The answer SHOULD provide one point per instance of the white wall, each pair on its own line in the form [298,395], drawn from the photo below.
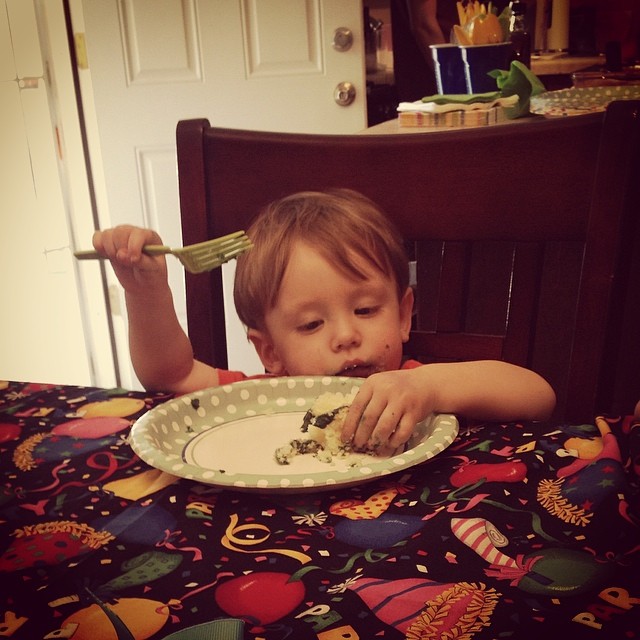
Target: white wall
[43,330]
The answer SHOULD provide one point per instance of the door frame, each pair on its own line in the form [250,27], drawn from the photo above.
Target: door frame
[79,180]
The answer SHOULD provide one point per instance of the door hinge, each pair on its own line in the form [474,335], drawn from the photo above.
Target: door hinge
[28,83]
[81,51]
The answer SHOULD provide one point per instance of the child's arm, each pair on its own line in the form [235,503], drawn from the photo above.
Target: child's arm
[390,404]
[161,352]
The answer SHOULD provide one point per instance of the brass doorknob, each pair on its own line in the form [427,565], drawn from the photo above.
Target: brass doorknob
[344,94]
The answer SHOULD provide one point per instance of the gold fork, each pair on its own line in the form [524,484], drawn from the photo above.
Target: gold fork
[196,258]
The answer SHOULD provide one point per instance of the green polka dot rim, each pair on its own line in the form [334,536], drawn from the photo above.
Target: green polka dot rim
[581,100]
[227,436]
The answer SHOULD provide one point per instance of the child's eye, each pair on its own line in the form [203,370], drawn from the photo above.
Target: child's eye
[366,311]
[308,327]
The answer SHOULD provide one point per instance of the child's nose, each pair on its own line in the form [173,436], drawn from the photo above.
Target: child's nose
[346,334]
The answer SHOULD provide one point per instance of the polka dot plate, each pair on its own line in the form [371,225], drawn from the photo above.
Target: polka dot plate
[227,436]
[580,100]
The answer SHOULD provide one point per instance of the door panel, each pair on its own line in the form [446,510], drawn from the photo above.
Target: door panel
[160,43]
[269,52]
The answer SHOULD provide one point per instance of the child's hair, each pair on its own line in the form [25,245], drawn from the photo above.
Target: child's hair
[341,224]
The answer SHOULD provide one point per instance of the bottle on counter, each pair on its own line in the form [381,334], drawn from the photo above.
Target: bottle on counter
[519,33]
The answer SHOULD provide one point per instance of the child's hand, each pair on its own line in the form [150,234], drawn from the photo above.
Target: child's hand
[136,271]
[386,410]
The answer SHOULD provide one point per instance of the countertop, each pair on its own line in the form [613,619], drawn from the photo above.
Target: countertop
[549,64]
[393,126]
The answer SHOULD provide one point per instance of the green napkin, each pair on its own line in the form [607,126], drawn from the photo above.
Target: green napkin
[463,98]
[519,80]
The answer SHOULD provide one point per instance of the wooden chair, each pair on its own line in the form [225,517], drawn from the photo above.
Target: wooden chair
[517,231]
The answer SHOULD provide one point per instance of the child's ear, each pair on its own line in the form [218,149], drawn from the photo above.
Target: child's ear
[266,351]
[406,313]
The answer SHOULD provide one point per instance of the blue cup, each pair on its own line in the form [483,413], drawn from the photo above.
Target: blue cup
[479,59]
[449,68]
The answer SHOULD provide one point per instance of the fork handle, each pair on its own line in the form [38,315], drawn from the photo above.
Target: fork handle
[88,254]
[149,249]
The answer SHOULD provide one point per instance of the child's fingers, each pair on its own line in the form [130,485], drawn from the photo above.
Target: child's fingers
[100,242]
[353,426]
[124,243]
[385,426]
[403,431]
[382,413]
[137,238]
[375,424]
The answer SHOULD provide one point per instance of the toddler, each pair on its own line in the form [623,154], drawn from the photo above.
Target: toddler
[324,291]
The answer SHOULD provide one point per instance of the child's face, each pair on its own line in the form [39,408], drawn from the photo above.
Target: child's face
[325,323]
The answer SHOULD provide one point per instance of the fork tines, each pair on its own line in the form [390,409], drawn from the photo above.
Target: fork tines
[210,254]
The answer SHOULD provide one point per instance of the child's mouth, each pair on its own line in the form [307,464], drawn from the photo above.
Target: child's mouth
[357,371]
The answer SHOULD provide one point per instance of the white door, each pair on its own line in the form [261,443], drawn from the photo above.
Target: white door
[253,64]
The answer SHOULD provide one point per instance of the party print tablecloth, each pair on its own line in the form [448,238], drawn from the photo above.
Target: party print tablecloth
[514,531]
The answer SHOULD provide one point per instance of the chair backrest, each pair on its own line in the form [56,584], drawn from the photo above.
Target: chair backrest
[515,230]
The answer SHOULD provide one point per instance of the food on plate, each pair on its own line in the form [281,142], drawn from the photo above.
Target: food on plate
[323,424]
[300,446]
